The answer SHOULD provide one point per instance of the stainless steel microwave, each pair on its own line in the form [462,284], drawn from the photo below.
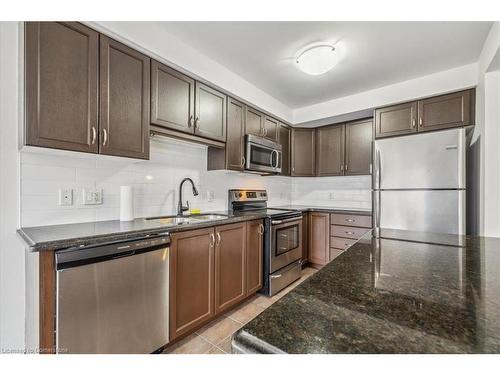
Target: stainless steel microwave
[262,155]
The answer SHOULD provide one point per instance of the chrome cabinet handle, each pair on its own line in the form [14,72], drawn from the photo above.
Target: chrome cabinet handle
[350,220]
[346,167]
[420,121]
[276,276]
[413,123]
[265,132]
[218,239]
[94,135]
[105,134]
[212,240]
[349,232]
[261,229]
[341,168]
[196,123]
[190,122]
[242,161]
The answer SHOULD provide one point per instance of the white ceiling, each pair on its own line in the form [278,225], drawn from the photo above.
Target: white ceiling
[376,54]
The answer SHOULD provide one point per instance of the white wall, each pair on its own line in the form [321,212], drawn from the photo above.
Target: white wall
[437,83]
[12,254]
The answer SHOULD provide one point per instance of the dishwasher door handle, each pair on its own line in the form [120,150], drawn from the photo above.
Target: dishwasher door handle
[123,255]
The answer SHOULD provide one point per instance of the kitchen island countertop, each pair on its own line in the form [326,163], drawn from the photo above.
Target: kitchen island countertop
[391,292]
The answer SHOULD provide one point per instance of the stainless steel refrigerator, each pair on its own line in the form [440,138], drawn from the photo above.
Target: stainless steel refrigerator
[419,182]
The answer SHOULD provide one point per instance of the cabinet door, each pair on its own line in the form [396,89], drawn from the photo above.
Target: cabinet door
[305,237]
[254,256]
[210,113]
[230,264]
[396,120]
[271,127]
[330,150]
[61,67]
[254,122]
[191,280]
[124,100]
[284,140]
[235,146]
[446,111]
[319,237]
[358,147]
[303,152]
[172,98]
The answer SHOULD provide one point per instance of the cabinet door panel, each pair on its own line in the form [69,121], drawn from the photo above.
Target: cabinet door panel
[254,255]
[210,110]
[305,237]
[445,111]
[396,120]
[271,126]
[61,69]
[330,150]
[358,147]
[303,152]
[254,122]
[235,135]
[172,98]
[230,262]
[319,237]
[124,100]
[191,280]
[284,140]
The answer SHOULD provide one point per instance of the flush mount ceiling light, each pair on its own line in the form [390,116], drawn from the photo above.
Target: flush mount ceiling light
[317,59]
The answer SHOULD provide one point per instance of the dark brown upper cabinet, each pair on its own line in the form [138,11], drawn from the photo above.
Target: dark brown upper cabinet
[61,67]
[284,139]
[396,120]
[235,141]
[436,113]
[303,152]
[230,265]
[172,98]
[254,122]
[330,150]
[271,128]
[210,113]
[124,100]
[446,111]
[358,147]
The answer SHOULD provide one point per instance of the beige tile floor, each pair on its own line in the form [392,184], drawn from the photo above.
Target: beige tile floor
[215,337]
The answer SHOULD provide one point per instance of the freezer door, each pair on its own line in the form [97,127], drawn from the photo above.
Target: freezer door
[424,161]
[438,211]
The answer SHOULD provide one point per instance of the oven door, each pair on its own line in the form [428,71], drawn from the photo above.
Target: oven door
[262,158]
[286,242]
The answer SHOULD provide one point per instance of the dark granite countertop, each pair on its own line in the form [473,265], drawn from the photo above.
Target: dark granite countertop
[348,211]
[391,292]
[56,237]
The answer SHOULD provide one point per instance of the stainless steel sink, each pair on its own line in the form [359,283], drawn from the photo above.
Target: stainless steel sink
[180,220]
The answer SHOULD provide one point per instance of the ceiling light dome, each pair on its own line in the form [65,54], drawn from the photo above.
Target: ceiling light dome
[317,59]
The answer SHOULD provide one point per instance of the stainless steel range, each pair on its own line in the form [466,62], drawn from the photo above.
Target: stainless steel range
[282,238]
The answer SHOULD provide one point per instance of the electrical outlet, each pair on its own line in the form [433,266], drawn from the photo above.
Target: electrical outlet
[210,196]
[65,197]
[331,196]
[92,196]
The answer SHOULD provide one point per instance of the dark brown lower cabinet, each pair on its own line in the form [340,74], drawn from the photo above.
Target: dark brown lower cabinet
[192,262]
[305,238]
[230,261]
[254,255]
[319,238]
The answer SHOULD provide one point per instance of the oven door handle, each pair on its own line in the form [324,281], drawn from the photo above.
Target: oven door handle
[276,222]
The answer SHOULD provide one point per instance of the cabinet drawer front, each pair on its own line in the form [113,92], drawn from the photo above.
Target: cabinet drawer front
[341,243]
[347,232]
[354,220]
[334,253]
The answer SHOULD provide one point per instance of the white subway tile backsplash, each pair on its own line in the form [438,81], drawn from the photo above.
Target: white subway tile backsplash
[156,182]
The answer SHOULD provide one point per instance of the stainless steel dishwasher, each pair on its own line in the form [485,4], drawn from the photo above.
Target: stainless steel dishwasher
[113,298]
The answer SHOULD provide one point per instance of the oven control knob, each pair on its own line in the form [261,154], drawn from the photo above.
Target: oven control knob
[240,195]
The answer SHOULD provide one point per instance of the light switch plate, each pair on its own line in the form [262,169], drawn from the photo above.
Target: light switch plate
[331,196]
[91,196]
[65,197]
[210,196]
